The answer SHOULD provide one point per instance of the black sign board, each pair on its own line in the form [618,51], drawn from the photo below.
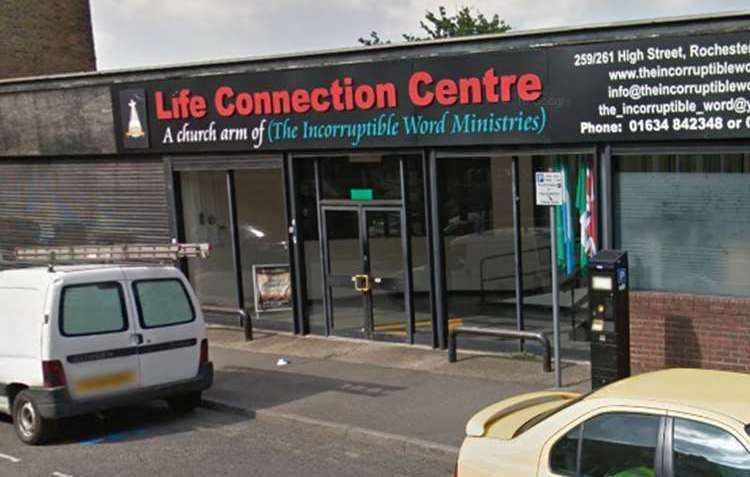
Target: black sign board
[651,89]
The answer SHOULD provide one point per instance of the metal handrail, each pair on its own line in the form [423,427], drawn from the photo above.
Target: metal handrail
[522,335]
[245,322]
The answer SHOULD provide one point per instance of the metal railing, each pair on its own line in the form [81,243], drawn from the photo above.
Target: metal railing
[245,321]
[501,333]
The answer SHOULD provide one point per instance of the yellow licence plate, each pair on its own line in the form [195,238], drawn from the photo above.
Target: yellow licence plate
[105,382]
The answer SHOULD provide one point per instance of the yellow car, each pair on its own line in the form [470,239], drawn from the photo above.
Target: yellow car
[671,423]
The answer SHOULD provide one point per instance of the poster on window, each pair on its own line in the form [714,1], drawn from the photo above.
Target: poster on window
[273,287]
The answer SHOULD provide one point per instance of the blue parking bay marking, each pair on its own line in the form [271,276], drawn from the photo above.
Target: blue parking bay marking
[116,437]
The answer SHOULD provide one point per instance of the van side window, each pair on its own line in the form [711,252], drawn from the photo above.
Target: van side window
[163,303]
[92,309]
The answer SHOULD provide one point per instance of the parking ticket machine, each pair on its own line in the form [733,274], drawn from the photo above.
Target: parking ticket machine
[610,320]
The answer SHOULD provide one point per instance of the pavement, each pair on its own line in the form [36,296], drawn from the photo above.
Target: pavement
[408,396]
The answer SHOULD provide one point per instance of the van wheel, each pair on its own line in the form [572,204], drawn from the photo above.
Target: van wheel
[29,424]
[184,403]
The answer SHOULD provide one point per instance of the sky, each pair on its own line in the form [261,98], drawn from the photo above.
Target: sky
[134,33]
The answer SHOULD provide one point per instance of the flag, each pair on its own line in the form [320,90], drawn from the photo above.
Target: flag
[564,230]
[570,234]
[586,205]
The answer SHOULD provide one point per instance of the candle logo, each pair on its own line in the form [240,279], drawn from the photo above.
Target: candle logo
[133,119]
[135,130]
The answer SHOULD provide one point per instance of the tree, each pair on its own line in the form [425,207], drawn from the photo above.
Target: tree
[441,25]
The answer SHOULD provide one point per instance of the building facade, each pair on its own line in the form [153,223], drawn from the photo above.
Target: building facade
[388,192]
[45,37]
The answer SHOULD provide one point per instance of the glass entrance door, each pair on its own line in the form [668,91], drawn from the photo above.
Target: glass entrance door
[366,287]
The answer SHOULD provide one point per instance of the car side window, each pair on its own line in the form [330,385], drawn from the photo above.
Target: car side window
[563,458]
[702,450]
[620,445]
[611,445]
[92,309]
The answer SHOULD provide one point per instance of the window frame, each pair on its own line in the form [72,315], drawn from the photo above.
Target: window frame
[659,451]
[668,451]
[139,308]
[123,307]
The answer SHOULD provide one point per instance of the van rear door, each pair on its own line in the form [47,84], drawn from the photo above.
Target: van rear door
[170,324]
[93,336]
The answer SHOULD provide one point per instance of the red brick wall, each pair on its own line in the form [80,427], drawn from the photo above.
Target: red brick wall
[41,37]
[670,330]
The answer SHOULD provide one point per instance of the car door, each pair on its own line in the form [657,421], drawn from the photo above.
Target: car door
[170,326]
[611,443]
[92,335]
[697,446]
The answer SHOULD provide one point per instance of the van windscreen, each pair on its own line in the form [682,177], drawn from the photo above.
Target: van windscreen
[162,303]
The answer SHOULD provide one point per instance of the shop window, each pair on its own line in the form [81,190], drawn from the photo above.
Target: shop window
[263,240]
[684,220]
[304,170]
[205,207]
[476,207]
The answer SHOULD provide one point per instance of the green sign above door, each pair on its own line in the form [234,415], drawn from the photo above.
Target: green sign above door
[361,194]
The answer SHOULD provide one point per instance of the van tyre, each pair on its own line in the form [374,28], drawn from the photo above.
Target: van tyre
[28,422]
[184,403]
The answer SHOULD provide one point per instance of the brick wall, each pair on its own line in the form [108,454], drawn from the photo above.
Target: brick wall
[41,37]
[670,330]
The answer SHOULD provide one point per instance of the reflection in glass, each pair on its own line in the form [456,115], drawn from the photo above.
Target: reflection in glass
[419,250]
[387,272]
[345,256]
[563,457]
[206,219]
[381,174]
[261,222]
[701,450]
[304,170]
[476,207]
[619,444]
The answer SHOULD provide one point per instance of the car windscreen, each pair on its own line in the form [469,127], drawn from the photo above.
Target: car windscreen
[92,309]
[162,302]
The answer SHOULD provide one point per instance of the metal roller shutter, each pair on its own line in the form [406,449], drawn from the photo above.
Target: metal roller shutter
[82,201]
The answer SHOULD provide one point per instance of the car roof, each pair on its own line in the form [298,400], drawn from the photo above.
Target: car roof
[724,392]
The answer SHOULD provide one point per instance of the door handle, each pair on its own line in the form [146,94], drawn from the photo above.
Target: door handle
[137,338]
[361,283]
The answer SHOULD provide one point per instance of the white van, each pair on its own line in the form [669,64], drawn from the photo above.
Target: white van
[85,338]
